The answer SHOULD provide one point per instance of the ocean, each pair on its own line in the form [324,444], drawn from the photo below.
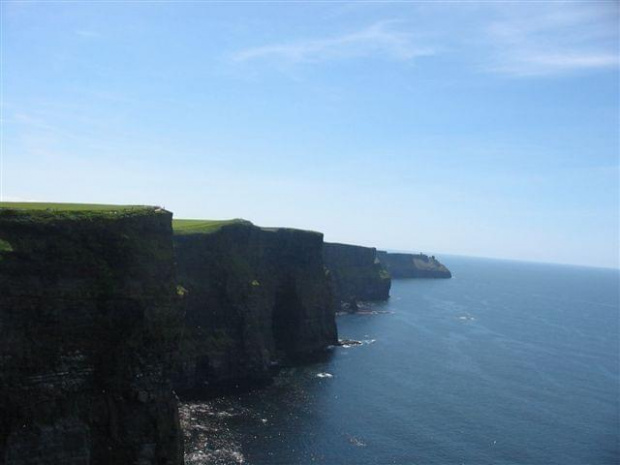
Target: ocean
[505,363]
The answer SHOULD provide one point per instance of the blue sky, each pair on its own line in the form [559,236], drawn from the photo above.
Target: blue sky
[486,129]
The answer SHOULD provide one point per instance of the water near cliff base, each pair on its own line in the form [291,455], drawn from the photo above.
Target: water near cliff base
[506,363]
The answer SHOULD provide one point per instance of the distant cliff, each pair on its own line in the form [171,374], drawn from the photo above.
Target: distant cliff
[356,275]
[89,323]
[254,297]
[405,265]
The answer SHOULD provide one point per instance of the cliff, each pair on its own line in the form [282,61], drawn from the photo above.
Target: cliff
[254,297]
[405,265]
[89,318]
[356,275]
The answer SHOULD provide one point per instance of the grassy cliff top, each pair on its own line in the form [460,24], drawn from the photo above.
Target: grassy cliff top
[202,226]
[81,210]
[183,227]
[70,206]
[292,230]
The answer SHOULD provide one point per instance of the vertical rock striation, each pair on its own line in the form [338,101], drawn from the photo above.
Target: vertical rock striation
[356,275]
[406,265]
[89,320]
[254,297]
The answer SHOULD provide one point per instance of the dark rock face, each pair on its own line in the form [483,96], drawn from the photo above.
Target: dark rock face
[255,297]
[356,275]
[89,318]
[405,265]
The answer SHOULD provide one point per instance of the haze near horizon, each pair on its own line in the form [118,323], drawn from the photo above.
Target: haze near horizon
[482,129]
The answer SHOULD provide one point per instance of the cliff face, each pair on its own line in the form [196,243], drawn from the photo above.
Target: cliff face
[356,275]
[254,297]
[405,265]
[89,318]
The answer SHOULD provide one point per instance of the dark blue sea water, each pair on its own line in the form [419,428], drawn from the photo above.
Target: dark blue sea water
[506,363]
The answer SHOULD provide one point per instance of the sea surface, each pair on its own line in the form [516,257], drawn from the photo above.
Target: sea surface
[505,363]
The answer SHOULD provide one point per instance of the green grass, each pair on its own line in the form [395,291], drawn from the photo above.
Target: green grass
[46,212]
[69,207]
[290,230]
[202,226]
[5,246]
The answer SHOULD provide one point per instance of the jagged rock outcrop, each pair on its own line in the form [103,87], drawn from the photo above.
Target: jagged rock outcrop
[356,275]
[89,320]
[406,265]
[254,297]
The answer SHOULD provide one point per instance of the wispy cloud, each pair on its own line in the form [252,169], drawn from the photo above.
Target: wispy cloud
[523,40]
[558,62]
[381,39]
[554,39]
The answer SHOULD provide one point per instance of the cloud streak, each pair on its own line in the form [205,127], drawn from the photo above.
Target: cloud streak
[539,40]
[380,40]
[543,64]
[555,40]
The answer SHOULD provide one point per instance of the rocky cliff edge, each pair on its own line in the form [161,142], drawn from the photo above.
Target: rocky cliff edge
[89,321]
[254,298]
[405,265]
[356,275]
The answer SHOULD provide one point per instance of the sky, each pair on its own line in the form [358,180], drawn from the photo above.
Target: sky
[473,128]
